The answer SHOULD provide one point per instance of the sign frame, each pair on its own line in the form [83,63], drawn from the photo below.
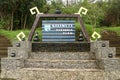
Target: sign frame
[39,16]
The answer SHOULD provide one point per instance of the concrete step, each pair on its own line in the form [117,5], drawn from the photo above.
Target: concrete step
[5,42]
[61,55]
[61,64]
[60,47]
[2,56]
[116,41]
[60,74]
[3,48]
[118,51]
[111,38]
[5,45]
[3,38]
[115,44]
[117,55]
[3,52]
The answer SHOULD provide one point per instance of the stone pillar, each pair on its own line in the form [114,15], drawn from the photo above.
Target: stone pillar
[20,49]
[11,66]
[105,52]
[101,50]
[23,44]
[98,44]
[105,56]
[112,64]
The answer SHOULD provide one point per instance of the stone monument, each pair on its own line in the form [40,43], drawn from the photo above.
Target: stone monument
[29,60]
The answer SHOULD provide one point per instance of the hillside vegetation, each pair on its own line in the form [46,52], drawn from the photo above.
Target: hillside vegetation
[16,17]
[12,34]
[15,14]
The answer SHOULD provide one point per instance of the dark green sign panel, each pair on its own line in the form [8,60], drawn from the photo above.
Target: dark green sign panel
[58,31]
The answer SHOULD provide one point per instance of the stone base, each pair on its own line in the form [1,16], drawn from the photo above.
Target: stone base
[62,74]
[11,63]
[60,47]
[109,64]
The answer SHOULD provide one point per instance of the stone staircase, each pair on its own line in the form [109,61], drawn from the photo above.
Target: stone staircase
[4,44]
[65,58]
[61,60]
[57,61]
[61,65]
[114,40]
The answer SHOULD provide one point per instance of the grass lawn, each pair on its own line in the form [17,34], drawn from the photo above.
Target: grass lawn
[90,29]
[12,34]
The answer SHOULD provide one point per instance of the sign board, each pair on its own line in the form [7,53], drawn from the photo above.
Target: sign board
[58,30]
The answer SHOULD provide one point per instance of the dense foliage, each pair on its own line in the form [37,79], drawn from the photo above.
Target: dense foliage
[15,14]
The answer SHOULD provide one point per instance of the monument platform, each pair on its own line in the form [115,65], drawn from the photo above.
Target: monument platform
[60,47]
[61,61]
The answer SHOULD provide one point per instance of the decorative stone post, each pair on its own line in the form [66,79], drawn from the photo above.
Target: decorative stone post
[11,65]
[98,44]
[105,55]
[101,50]
[20,49]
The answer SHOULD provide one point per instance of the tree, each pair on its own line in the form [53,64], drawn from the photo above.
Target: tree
[4,14]
[16,12]
[95,13]
[113,13]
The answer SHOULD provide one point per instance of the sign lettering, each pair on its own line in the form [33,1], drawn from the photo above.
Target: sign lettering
[58,30]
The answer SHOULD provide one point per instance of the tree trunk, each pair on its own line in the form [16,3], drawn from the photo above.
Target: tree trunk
[25,20]
[118,20]
[67,3]
[21,20]
[12,20]
[95,22]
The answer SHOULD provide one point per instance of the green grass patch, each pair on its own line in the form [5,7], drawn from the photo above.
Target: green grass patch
[91,29]
[12,34]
